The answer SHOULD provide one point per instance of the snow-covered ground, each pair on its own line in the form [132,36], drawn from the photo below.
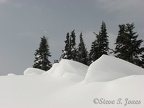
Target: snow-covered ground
[108,82]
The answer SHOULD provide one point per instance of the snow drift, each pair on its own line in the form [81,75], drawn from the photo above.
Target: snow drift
[107,83]
[68,69]
[33,71]
[108,68]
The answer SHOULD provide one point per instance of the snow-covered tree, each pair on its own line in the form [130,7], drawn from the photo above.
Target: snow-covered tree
[142,60]
[41,55]
[67,51]
[70,51]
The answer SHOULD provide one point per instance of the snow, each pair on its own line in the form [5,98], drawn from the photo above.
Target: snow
[68,68]
[33,71]
[82,96]
[10,74]
[108,68]
[107,83]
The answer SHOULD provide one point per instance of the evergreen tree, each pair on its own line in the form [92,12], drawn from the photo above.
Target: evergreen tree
[56,61]
[142,56]
[41,55]
[70,51]
[101,45]
[127,46]
[82,52]
[93,52]
[102,40]
[67,51]
[73,46]
[142,61]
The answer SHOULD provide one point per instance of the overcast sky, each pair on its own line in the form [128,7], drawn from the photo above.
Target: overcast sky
[23,22]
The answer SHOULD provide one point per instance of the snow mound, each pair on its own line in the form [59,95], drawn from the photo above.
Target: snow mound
[63,86]
[33,71]
[108,68]
[68,68]
[51,69]
[10,74]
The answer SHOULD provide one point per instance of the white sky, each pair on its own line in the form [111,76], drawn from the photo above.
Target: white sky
[23,22]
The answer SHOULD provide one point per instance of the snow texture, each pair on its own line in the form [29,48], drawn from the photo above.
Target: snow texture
[68,69]
[33,71]
[107,83]
[108,68]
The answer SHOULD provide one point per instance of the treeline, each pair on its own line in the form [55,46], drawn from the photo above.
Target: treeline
[127,47]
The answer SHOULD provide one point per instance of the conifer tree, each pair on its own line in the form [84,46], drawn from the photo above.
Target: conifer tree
[73,46]
[127,46]
[101,45]
[93,52]
[67,51]
[142,57]
[70,51]
[41,55]
[142,61]
[103,40]
[82,52]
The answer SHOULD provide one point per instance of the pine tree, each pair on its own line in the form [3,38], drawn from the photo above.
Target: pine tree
[142,60]
[70,51]
[82,52]
[142,57]
[56,61]
[73,46]
[101,45]
[67,51]
[102,40]
[127,46]
[41,55]
[93,52]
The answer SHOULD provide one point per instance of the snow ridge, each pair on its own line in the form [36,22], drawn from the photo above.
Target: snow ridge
[108,68]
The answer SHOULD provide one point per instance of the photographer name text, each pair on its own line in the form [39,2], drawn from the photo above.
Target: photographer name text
[118,101]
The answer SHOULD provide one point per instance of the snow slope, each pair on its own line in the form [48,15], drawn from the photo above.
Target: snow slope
[108,68]
[68,69]
[32,71]
[107,83]
[68,66]
[83,96]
